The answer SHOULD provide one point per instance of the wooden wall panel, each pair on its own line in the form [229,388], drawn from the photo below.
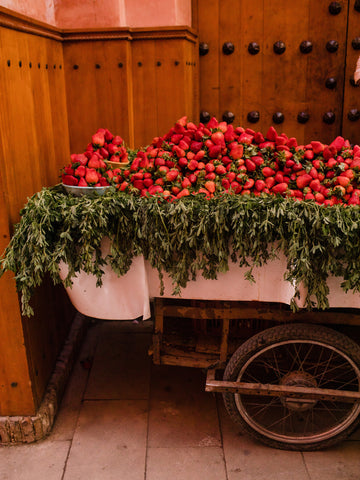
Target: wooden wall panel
[98,90]
[144,92]
[34,146]
[267,82]
[351,128]
[208,28]
[163,86]
[325,27]
[33,108]
[15,387]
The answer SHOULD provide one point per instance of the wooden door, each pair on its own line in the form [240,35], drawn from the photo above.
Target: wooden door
[280,63]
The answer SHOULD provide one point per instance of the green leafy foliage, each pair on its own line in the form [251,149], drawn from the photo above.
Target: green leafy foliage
[189,236]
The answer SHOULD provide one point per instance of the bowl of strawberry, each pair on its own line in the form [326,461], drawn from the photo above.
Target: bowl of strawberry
[94,170]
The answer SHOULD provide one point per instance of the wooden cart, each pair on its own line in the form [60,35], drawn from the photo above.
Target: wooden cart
[295,385]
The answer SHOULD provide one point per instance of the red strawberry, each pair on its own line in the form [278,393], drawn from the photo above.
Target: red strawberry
[236,187]
[292,142]
[214,151]
[303,180]
[246,138]
[344,181]
[220,170]
[259,137]
[82,182]
[309,196]
[268,172]
[153,189]
[117,140]
[280,188]
[199,155]
[338,143]
[182,162]
[91,176]
[108,135]
[98,139]
[271,134]
[260,185]
[171,175]
[331,163]
[236,152]
[217,138]
[319,197]
[192,178]
[103,152]
[249,183]
[80,171]
[183,193]
[329,152]
[213,123]
[270,182]
[317,147]
[315,185]
[103,182]
[81,158]
[309,154]
[69,171]
[69,180]
[210,186]
[250,165]
[279,177]
[225,183]
[192,165]
[257,160]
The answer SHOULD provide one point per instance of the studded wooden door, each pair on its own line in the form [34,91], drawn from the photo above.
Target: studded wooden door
[284,63]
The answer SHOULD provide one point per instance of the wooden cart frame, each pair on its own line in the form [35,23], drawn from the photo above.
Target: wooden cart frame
[216,353]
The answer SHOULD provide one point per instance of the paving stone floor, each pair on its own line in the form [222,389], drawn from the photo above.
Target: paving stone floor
[123,418]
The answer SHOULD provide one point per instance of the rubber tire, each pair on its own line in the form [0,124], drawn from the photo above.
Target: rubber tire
[278,334]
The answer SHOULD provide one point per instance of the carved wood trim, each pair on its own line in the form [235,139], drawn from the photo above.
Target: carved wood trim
[22,23]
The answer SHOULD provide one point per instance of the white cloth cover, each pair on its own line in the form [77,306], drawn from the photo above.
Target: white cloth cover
[128,297]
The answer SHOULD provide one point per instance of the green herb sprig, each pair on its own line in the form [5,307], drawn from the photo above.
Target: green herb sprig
[191,236]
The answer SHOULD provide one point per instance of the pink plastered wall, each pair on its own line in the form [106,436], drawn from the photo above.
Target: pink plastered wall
[157,13]
[105,13]
[41,10]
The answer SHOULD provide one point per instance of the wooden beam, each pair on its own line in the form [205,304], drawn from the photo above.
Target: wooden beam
[295,393]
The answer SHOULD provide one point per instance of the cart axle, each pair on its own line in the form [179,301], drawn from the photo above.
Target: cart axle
[294,392]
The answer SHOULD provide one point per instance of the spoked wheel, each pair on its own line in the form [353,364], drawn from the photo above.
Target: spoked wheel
[303,356]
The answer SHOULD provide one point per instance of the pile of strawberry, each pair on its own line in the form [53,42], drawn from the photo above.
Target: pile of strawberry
[90,168]
[217,158]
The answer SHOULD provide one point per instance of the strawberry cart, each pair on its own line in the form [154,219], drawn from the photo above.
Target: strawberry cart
[287,379]
[245,246]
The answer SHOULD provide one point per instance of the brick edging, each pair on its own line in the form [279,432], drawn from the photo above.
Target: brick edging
[27,429]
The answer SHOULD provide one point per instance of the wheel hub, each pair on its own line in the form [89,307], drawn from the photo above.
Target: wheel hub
[298,379]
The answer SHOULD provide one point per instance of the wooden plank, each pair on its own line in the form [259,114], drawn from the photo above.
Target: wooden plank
[158,330]
[292,392]
[183,359]
[242,310]
[208,15]
[230,66]
[15,387]
[351,129]
[251,73]
[284,88]
[170,66]
[98,90]
[144,92]
[224,339]
[322,65]
[31,113]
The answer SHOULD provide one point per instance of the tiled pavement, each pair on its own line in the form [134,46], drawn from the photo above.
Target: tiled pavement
[123,418]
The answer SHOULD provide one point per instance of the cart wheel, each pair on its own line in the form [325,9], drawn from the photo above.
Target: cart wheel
[296,355]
